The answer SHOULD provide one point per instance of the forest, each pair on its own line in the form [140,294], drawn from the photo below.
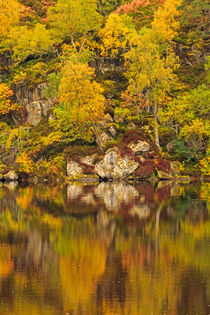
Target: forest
[82,76]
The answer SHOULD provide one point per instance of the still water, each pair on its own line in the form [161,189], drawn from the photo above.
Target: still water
[111,248]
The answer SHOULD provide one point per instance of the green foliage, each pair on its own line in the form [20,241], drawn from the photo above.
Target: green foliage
[181,151]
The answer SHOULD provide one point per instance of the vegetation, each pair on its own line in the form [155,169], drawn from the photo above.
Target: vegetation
[70,62]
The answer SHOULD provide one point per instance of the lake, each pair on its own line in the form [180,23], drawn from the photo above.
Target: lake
[108,248]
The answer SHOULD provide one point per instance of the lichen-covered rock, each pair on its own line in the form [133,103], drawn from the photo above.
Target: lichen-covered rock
[114,166]
[73,169]
[89,159]
[140,146]
[10,176]
[112,131]
[131,125]
[107,120]
[105,138]
[35,103]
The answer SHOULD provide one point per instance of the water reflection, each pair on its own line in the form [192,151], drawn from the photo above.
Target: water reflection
[110,248]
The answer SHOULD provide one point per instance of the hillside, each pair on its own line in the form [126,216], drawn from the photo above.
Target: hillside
[86,76]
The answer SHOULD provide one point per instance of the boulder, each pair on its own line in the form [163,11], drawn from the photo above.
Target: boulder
[107,120]
[105,138]
[113,166]
[131,125]
[89,159]
[10,176]
[112,131]
[139,147]
[35,103]
[73,169]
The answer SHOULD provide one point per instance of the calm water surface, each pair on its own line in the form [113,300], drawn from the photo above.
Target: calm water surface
[110,248]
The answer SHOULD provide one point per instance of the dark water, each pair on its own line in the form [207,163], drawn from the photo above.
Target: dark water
[105,249]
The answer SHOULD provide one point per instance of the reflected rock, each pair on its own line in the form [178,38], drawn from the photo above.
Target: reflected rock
[10,176]
[103,219]
[114,194]
[73,191]
[11,185]
[88,199]
[141,211]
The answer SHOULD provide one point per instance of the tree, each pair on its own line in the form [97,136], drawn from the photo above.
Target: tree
[9,16]
[152,63]
[6,105]
[27,41]
[118,35]
[81,101]
[142,11]
[71,19]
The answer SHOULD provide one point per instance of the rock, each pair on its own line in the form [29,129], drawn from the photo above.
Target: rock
[105,138]
[73,169]
[35,103]
[175,168]
[112,131]
[114,166]
[140,146]
[107,119]
[10,176]
[89,159]
[131,125]
[164,175]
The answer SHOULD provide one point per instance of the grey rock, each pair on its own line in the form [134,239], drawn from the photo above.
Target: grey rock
[89,159]
[10,176]
[131,125]
[114,166]
[35,103]
[73,169]
[112,131]
[105,138]
[140,146]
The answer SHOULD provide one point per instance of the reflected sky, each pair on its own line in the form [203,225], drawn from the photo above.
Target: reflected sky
[110,248]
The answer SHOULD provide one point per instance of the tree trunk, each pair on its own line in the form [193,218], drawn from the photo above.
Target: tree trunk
[157,142]
[97,135]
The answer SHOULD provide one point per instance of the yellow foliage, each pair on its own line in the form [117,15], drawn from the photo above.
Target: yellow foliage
[117,35]
[9,16]
[6,106]
[25,164]
[81,95]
